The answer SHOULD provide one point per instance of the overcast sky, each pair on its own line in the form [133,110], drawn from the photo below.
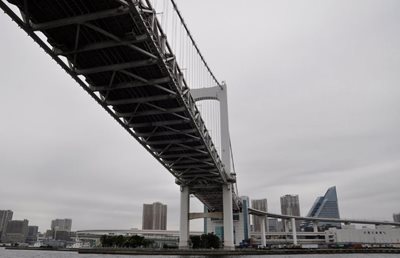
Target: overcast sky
[314,102]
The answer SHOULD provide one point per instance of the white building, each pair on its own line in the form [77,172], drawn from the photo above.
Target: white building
[349,234]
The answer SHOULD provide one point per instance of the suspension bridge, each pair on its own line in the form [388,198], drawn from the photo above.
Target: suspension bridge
[138,60]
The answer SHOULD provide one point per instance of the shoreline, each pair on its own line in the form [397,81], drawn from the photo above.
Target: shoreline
[217,252]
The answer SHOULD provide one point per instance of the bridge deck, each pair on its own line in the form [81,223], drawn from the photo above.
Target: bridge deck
[118,53]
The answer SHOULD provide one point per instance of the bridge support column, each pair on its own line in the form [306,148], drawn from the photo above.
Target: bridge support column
[263,242]
[228,217]
[184,218]
[315,226]
[293,222]
[286,225]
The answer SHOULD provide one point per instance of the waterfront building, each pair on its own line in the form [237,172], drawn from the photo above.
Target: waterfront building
[154,216]
[262,205]
[5,217]
[290,205]
[17,231]
[325,207]
[381,235]
[61,225]
[396,217]
[32,236]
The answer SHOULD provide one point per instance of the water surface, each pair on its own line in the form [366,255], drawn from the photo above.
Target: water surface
[55,254]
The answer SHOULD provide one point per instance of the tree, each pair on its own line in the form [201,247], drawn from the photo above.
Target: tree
[106,241]
[196,242]
[125,241]
[208,241]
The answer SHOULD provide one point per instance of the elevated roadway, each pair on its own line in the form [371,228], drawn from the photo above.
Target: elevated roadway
[315,219]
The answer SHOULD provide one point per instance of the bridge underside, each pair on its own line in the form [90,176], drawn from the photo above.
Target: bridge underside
[117,52]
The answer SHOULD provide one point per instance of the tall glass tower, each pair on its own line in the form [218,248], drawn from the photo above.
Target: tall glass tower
[325,207]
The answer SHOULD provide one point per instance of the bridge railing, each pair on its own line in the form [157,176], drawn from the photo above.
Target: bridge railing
[195,71]
[167,23]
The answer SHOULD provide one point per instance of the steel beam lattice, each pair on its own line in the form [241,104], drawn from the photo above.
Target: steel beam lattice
[118,53]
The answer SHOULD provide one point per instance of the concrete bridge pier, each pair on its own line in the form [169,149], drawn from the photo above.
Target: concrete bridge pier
[263,241]
[228,217]
[219,93]
[293,222]
[184,218]
[315,226]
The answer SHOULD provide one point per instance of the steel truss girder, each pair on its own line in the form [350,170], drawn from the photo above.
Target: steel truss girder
[182,155]
[159,123]
[127,85]
[139,78]
[164,109]
[101,45]
[74,75]
[169,141]
[208,187]
[181,147]
[117,39]
[193,161]
[81,18]
[151,112]
[199,149]
[139,100]
[193,178]
[190,160]
[169,133]
[116,67]
[182,132]
[203,180]
[199,166]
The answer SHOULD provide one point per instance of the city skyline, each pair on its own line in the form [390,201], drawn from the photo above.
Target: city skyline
[289,205]
[321,110]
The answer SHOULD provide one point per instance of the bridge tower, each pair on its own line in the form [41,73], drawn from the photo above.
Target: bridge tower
[218,93]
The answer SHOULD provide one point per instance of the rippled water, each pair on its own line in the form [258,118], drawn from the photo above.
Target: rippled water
[55,254]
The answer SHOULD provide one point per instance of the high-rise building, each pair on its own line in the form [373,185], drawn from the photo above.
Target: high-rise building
[5,217]
[325,207]
[290,205]
[275,225]
[154,216]
[32,234]
[17,231]
[396,217]
[61,225]
[245,217]
[261,205]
